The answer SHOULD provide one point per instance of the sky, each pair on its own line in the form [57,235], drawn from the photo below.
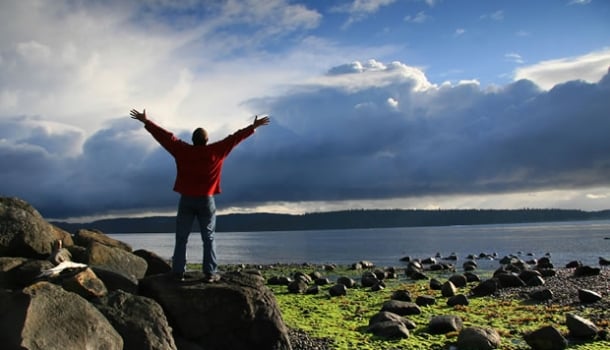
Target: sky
[401,104]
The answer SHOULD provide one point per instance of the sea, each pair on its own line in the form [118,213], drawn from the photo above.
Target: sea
[583,241]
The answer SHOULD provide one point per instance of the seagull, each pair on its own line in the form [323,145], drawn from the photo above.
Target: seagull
[59,269]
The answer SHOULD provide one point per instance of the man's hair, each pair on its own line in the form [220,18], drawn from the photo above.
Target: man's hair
[200,137]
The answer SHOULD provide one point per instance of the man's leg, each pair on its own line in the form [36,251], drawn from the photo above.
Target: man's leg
[184,223]
[207,223]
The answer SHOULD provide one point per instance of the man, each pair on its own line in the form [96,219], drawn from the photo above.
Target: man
[198,172]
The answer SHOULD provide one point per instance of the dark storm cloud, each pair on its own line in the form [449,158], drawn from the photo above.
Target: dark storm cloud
[332,142]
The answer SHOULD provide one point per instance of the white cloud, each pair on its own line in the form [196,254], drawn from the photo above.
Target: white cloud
[420,17]
[590,68]
[514,57]
[579,2]
[459,32]
[358,10]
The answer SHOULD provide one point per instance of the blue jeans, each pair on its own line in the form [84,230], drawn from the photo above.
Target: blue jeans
[204,209]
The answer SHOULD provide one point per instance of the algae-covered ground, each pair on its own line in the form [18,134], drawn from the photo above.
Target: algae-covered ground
[344,320]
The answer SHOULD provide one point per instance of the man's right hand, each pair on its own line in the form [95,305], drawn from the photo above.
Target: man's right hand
[138,116]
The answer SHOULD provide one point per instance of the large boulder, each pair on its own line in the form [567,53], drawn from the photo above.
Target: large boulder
[44,316]
[25,233]
[139,320]
[84,238]
[237,312]
[478,338]
[156,264]
[546,338]
[116,259]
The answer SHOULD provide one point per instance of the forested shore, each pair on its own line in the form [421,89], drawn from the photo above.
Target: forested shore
[348,219]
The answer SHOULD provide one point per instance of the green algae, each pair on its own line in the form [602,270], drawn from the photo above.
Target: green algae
[344,320]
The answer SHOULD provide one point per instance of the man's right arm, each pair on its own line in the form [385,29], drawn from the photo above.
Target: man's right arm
[164,137]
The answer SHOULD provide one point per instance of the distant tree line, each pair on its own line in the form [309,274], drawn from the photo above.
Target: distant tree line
[347,219]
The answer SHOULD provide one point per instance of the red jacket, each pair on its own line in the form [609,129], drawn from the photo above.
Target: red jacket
[198,168]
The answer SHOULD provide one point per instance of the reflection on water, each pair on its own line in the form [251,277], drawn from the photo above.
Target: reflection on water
[565,242]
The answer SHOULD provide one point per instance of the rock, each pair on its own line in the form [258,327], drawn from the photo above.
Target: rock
[425,300]
[29,272]
[238,312]
[546,338]
[7,265]
[487,287]
[586,270]
[315,289]
[401,308]
[588,296]
[44,316]
[459,299]
[346,281]
[448,289]
[580,327]
[444,324]
[402,295]
[535,281]
[435,284]
[140,321]
[115,281]
[297,287]
[322,281]
[86,284]
[85,238]
[478,338]
[458,280]
[509,280]
[155,264]
[528,274]
[25,233]
[338,290]
[389,330]
[368,279]
[603,261]
[471,277]
[469,265]
[117,260]
[573,264]
[542,294]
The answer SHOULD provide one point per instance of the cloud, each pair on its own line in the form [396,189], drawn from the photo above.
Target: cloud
[420,17]
[364,131]
[590,68]
[514,57]
[358,10]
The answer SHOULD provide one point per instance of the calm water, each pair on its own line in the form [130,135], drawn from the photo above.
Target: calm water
[565,241]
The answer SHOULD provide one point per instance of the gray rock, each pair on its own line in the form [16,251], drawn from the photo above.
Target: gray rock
[542,294]
[486,287]
[139,320]
[444,324]
[44,316]
[546,338]
[435,284]
[425,300]
[346,281]
[368,279]
[401,308]
[580,327]
[115,281]
[297,286]
[237,312]
[478,338]
[402,295]
[586,270]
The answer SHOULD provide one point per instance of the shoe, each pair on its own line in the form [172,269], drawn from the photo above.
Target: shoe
[211,277]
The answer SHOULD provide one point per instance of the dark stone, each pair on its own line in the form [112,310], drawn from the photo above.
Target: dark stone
[546,338]
[115,281]
[542,294]
[338,290]
[588,296]
[389,330]
[297,286]
[322,281]
[155,264]
[444,324]
[425,300]
[478,338]
[140,321]
[448,289]
[237,312]
[471,277]
[401,308]
[315,289]
[402,295]
[510,280]
[485,288]
[368,279]
[459,299]
[580,327]
[573,264]
[586,270]
[458,281]
[603,261]
[535,281]
[45,316]
[435,284]
[346,281]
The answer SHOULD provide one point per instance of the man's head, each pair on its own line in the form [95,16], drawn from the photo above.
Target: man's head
[200,137]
